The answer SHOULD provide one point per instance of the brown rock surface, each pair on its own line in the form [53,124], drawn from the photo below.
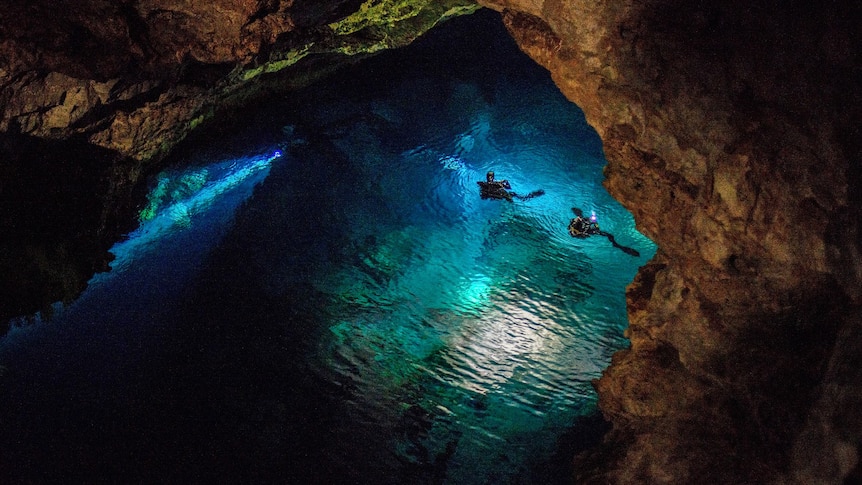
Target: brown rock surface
[137,77]
[731,132]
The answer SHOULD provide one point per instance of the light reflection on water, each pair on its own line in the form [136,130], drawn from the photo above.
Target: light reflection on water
[181,196]
[451,338]
[480,322]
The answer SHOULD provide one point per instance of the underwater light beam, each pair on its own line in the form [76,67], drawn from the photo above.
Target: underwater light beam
[177,213]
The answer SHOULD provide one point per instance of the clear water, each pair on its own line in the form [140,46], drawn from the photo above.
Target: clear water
[350,311]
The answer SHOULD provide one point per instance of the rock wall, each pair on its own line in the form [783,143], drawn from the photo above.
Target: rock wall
[731,132]
[137,76]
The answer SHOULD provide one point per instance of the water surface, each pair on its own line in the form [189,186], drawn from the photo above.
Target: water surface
[338,304]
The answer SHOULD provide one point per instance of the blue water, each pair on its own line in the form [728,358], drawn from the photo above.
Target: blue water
[349,311]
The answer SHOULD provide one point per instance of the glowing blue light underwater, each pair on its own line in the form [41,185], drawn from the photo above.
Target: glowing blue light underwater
[475,293]
[451,162]
[180,197]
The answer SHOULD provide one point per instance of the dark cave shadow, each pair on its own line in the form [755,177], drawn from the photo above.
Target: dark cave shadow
[584,434]
[63,204]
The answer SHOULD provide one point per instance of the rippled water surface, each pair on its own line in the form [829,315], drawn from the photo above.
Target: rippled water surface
[351,309]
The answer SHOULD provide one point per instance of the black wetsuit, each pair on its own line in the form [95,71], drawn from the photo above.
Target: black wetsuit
[580,227]
[495,190]
[500,189]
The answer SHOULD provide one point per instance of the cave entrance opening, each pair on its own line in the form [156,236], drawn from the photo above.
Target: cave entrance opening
[352,308]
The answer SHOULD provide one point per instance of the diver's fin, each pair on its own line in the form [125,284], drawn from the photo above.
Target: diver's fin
[578,212]
[631,251]
[529,196]
[624,249]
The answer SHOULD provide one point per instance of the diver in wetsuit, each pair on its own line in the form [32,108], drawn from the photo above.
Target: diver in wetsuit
[494,189]
[582,227]
[500,189]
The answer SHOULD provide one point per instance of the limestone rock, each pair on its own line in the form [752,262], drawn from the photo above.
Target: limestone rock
[730,132]
[138,77]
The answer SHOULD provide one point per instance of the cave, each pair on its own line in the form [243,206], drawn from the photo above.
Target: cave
[730,133]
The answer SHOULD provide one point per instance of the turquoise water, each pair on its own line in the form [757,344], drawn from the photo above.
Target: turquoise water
[349,309]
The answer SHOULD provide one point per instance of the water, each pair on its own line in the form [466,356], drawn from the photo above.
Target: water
[350,311]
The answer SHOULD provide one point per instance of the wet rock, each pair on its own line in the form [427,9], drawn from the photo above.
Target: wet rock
[137,78]
[730,133]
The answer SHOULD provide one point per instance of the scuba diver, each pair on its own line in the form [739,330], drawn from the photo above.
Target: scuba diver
[500,189]
[494,189]
[582,227]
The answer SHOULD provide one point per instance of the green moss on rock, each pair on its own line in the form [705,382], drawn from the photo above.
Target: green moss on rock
[388,24]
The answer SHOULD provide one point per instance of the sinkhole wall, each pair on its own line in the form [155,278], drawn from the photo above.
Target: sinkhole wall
[731,132]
